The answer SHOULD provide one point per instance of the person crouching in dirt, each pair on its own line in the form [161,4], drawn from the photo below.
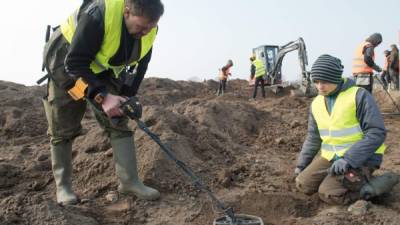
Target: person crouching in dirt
[257,70]
[224,72]
[346,127]
[98,44]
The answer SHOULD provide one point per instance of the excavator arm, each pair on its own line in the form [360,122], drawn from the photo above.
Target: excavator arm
[283,50]
[274,76]
[306,86]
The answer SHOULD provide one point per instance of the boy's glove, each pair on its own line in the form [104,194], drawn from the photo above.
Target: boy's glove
[339,167]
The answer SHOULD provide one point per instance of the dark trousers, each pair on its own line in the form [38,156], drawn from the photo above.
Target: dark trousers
[385,78]
[221,88]
[394,75]
[259,81]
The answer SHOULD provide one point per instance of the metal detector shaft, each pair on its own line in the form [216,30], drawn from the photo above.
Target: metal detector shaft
[196,181]
[390,96]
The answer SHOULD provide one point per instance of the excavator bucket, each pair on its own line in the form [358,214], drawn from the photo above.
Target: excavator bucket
[308,90]
[303,90]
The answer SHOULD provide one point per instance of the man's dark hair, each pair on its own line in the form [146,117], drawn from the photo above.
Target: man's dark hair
[151,9]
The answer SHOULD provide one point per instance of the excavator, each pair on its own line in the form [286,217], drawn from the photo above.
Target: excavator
[272,57]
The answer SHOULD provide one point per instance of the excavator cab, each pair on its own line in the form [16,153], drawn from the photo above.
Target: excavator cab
[273,55]
[268,54]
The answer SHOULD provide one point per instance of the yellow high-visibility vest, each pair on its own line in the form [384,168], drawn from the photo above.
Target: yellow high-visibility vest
[341,129]
[260,68]
[113,23]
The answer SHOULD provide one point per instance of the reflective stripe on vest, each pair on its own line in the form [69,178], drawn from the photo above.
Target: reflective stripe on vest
[341,129]
[359,65]
[260,68]
[113,10]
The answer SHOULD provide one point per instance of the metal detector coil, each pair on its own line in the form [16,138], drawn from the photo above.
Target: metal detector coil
[229,218]
[241,219]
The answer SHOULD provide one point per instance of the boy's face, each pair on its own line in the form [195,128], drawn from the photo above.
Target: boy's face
[324,88]
[138,26]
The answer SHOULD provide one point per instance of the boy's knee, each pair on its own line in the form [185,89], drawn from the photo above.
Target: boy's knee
[336,196]
[303,186]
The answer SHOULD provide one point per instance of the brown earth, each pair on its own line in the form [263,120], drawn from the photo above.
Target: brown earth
[244,150]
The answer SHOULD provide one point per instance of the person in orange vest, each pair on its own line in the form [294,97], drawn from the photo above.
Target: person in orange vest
[252,78]
[393,66]
[224,72]
[364,62]
[385,77]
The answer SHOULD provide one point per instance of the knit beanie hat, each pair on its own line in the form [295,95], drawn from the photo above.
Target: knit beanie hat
[327,68]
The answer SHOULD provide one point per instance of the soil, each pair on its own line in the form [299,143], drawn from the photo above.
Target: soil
[245,151]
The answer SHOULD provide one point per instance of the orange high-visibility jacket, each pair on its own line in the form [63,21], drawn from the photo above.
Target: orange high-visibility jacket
[359,65]
[223,74]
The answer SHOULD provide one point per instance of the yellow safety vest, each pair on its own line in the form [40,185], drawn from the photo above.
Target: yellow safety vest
[113,17]
[341,129]
[260,68]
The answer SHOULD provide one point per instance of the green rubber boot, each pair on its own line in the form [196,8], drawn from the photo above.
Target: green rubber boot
[61,157]
[125,165]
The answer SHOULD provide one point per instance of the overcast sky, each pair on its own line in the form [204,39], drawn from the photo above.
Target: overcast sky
[198,37]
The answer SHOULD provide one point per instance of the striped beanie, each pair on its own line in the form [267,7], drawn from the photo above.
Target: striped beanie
[327,68]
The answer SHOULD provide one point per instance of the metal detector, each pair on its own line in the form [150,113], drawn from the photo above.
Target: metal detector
[390,96]
[229,218]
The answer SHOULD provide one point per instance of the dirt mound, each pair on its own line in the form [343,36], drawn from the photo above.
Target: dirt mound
[388,101]
[21,113]
[244,150]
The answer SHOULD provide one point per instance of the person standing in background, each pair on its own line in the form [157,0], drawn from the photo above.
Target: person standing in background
[258,71]
[393,67]
[385,77]
[364,62]
[224,72]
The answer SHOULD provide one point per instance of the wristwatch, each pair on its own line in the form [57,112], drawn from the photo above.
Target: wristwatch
[99,97]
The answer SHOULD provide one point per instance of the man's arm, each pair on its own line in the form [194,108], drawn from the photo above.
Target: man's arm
[311,145]
[373,127]
[132,87]
[369,60]
[85,44]
[252,71]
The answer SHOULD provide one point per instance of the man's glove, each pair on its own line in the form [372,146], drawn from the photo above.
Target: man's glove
[132,108]
[377,68]
[297,171]
[339,167]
